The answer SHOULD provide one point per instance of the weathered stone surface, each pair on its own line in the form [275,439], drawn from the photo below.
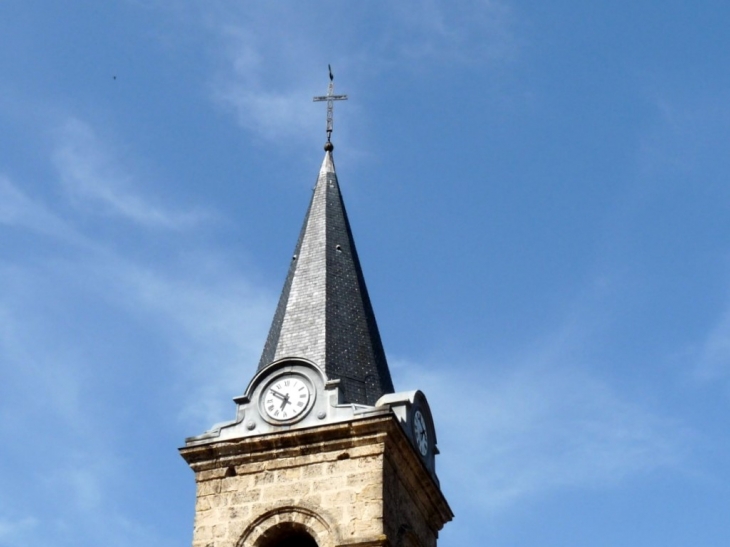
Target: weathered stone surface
[354,484]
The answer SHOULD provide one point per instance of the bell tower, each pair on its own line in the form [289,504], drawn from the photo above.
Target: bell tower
[322,452]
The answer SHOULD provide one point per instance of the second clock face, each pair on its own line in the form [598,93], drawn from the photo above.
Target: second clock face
[286,398]
[419,428]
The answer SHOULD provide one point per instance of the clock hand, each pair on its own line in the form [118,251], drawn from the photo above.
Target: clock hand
[284,401]
[279,395]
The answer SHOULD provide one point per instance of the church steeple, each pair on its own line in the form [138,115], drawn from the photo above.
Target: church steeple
[324,313]
[321,452]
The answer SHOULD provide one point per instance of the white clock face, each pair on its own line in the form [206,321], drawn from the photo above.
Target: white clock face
[286,398]
[419,429]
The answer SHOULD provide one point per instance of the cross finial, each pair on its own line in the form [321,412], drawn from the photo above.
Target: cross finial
[330,98]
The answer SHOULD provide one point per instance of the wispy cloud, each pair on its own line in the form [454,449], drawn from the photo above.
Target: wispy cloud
[207,324]
[683,165]
[271,111]
[212,318]
[49,398]
[714,356]
[543,420]
[15,532]
[274,58]
[72,315]
[19,210]
[529,431]
[467,31]
[94,180]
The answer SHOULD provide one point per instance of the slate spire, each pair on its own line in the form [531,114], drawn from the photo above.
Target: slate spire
[324,313]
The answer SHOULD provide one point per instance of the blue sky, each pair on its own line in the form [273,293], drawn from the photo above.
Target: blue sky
[539,194]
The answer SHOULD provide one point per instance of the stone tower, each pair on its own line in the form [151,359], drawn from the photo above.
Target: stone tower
[321,452]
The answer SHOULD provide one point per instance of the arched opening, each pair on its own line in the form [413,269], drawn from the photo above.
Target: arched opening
[287,535]
[297,539]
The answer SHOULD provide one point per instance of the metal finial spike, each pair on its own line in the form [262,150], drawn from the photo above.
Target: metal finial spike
[330,98]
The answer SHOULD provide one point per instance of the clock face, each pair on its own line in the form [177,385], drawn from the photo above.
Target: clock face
[419,429]
[286,398]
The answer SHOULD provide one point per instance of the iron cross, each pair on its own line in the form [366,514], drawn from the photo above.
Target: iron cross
[330,98]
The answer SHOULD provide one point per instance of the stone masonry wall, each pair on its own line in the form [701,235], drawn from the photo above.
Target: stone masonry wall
[343,487]
[405,522]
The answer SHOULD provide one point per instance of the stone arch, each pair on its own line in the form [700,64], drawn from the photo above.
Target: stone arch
[284,520]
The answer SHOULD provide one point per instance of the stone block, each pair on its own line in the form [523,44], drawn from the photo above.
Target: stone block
[209,487]
[203,533]
[220,530]
[217,500]
[290,491]
[364,478]
[261,478]
[245,496]
[291,474]
[202,504]
[330,483]
[311,471]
